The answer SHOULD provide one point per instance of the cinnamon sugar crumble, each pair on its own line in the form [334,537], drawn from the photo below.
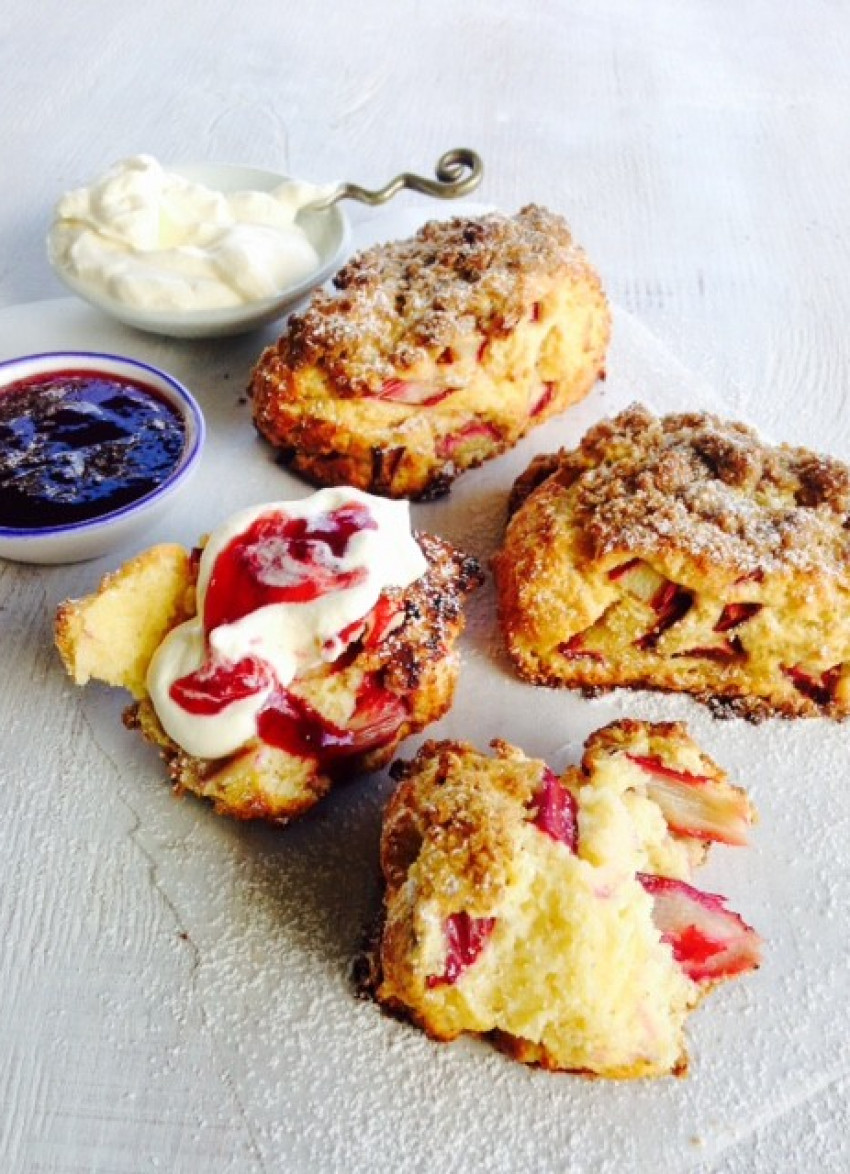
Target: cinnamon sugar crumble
[711,489]
[454,279]
[469,824]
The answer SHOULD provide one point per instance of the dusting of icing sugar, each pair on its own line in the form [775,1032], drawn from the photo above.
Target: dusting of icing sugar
[695,484]
[452,282]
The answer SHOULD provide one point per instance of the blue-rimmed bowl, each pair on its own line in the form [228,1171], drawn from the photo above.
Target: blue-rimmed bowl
[77,541]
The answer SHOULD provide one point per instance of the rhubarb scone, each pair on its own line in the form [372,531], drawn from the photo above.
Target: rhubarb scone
[298,647]
[434,354]
[557,915]
[683,553]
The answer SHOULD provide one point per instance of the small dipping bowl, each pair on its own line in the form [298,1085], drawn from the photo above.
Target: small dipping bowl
[91,536]
[328,231]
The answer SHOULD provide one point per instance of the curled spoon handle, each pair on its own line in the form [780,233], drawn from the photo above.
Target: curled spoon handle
[458,173]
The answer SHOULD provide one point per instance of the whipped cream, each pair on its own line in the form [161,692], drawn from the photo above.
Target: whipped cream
[330,556]
[154,240]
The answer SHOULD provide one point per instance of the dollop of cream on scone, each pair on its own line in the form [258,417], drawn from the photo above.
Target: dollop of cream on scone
[299,645]
[279,586]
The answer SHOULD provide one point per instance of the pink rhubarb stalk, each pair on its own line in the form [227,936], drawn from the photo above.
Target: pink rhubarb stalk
[574,649]
[820,689]
[735,614]
[709,941]
[556,813]
[448,445]
[466,937]
[415,392]
[672,603]
[698,806]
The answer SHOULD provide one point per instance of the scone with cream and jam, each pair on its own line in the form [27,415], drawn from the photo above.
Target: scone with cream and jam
[434,354]
[299,646]
[557,915]
[683,553]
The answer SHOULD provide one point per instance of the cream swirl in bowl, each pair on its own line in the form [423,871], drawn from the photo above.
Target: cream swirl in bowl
[194,251]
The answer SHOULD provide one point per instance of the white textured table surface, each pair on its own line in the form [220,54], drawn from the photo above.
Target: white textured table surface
[173,988]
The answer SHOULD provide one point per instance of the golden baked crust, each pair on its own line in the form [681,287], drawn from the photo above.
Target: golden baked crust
[683,553]
[434,354]
[112,635]
[525,907]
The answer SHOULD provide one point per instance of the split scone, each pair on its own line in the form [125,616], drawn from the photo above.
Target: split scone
[556,914]
[434,354]
[299,647]
[683,553]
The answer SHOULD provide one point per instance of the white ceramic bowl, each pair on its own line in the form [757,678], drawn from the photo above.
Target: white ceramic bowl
[329,232]
[88,539]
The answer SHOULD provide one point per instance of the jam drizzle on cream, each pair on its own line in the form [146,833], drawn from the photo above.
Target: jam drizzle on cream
[280,559]
[283,590]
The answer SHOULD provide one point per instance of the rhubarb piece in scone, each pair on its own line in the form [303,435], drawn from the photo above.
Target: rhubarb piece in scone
[662,762]
[557,915]
[683,553]
[434,354]
[298,647]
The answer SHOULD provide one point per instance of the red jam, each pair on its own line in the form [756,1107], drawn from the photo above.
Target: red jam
[290,723]
[79,444]
[283,560]
[215,686]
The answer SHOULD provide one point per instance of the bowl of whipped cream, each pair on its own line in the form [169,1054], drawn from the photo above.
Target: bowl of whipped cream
[195,251]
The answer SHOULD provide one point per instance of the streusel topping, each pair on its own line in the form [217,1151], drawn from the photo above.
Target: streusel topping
[711,489]
[396,303]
